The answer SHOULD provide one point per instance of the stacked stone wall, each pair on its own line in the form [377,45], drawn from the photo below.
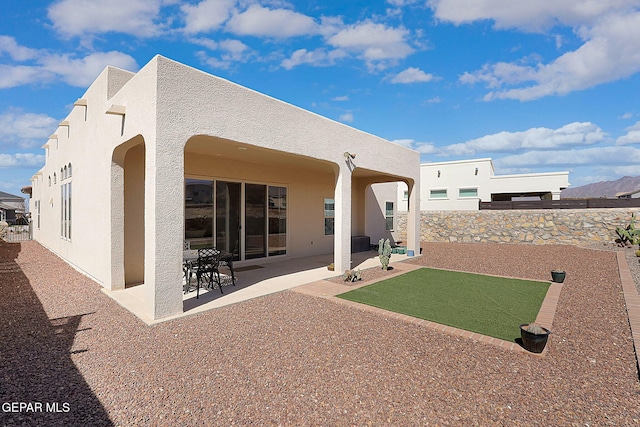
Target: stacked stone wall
[544,226]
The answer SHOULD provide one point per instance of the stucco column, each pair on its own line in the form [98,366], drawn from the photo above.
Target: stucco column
[342,221]
[116,279]
[413,218]
[164,219]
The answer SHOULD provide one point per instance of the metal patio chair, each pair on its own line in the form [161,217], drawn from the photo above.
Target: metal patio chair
[207,269]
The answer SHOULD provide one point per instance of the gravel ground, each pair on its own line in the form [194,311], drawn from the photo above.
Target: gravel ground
[292,359]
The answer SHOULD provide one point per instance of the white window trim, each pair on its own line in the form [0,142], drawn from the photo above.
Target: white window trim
[439,189]
[468,197]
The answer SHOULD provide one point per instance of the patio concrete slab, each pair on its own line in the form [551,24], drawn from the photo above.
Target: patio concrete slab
[255,278]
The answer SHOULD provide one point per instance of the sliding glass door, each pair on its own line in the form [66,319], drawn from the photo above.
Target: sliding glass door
[255,220]
[277,220]
[229,215]
[198,213]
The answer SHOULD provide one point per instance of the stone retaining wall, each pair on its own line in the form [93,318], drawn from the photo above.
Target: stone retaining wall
[544,226]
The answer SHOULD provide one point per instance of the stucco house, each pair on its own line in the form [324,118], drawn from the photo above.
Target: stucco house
[11,207]
[635,194]
[463,184]
[150,161]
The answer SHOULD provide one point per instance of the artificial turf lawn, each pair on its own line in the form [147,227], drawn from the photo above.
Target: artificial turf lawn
[493,306]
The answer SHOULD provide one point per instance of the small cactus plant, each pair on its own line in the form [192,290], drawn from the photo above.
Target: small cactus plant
[384,252]
[630,235]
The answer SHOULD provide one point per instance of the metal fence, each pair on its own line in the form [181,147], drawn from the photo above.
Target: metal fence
[562,204]
[16,233]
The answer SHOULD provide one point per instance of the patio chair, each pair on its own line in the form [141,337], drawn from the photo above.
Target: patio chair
[206,267]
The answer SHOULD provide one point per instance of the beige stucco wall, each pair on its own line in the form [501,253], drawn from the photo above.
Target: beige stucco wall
[306,191]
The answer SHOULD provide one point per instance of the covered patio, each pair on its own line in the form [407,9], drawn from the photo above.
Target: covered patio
[253,281]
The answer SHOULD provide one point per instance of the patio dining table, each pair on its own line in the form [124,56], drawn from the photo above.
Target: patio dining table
[190,260]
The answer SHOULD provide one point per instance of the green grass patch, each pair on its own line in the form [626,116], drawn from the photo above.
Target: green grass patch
[493,306]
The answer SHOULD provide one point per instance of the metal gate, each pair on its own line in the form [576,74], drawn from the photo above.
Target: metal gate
[16,233]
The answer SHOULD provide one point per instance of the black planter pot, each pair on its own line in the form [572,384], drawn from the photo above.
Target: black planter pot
[534,343]
[558,276]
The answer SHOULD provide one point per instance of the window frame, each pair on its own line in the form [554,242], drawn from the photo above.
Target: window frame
[434,190]
[387,216]
[332,201]
[461,189]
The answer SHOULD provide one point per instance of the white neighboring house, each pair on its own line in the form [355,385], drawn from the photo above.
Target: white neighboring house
[629,195]
[10,205]
[462,184]
[146,161]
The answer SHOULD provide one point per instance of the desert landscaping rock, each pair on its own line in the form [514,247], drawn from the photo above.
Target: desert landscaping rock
[291,359]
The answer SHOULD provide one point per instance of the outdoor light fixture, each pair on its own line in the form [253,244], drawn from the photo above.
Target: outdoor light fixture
[348,155]
[438,173]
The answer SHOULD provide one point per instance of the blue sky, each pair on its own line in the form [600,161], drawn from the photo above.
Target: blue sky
[538,86]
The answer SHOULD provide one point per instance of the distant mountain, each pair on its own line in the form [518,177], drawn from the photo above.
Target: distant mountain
[607,189]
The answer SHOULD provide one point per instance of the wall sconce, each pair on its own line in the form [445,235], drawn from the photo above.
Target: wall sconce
[438,173]
[349,156]
[476,171]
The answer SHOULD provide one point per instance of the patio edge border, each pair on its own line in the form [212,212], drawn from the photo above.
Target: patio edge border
[632,303]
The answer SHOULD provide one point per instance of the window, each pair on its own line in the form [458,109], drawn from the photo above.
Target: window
[248,220]
[388,216]
[437,194]
[65,204]
[329,216]
[468,192]
[405,196]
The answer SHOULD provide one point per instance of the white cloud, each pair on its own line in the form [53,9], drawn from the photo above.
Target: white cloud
[400,3]
[18,75]
[632,136]
[21,160]
[412,75]
[232,51]
[45,67]
[16,52]
[341,98]
[207,15]
[434,100]
[378,45]
[347,117]
[25,130]
[529,15]
[421,147]
[277,23]
[82,72]
[82,17]
[610,51]
[616,156]
[536,138]
[317,58]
